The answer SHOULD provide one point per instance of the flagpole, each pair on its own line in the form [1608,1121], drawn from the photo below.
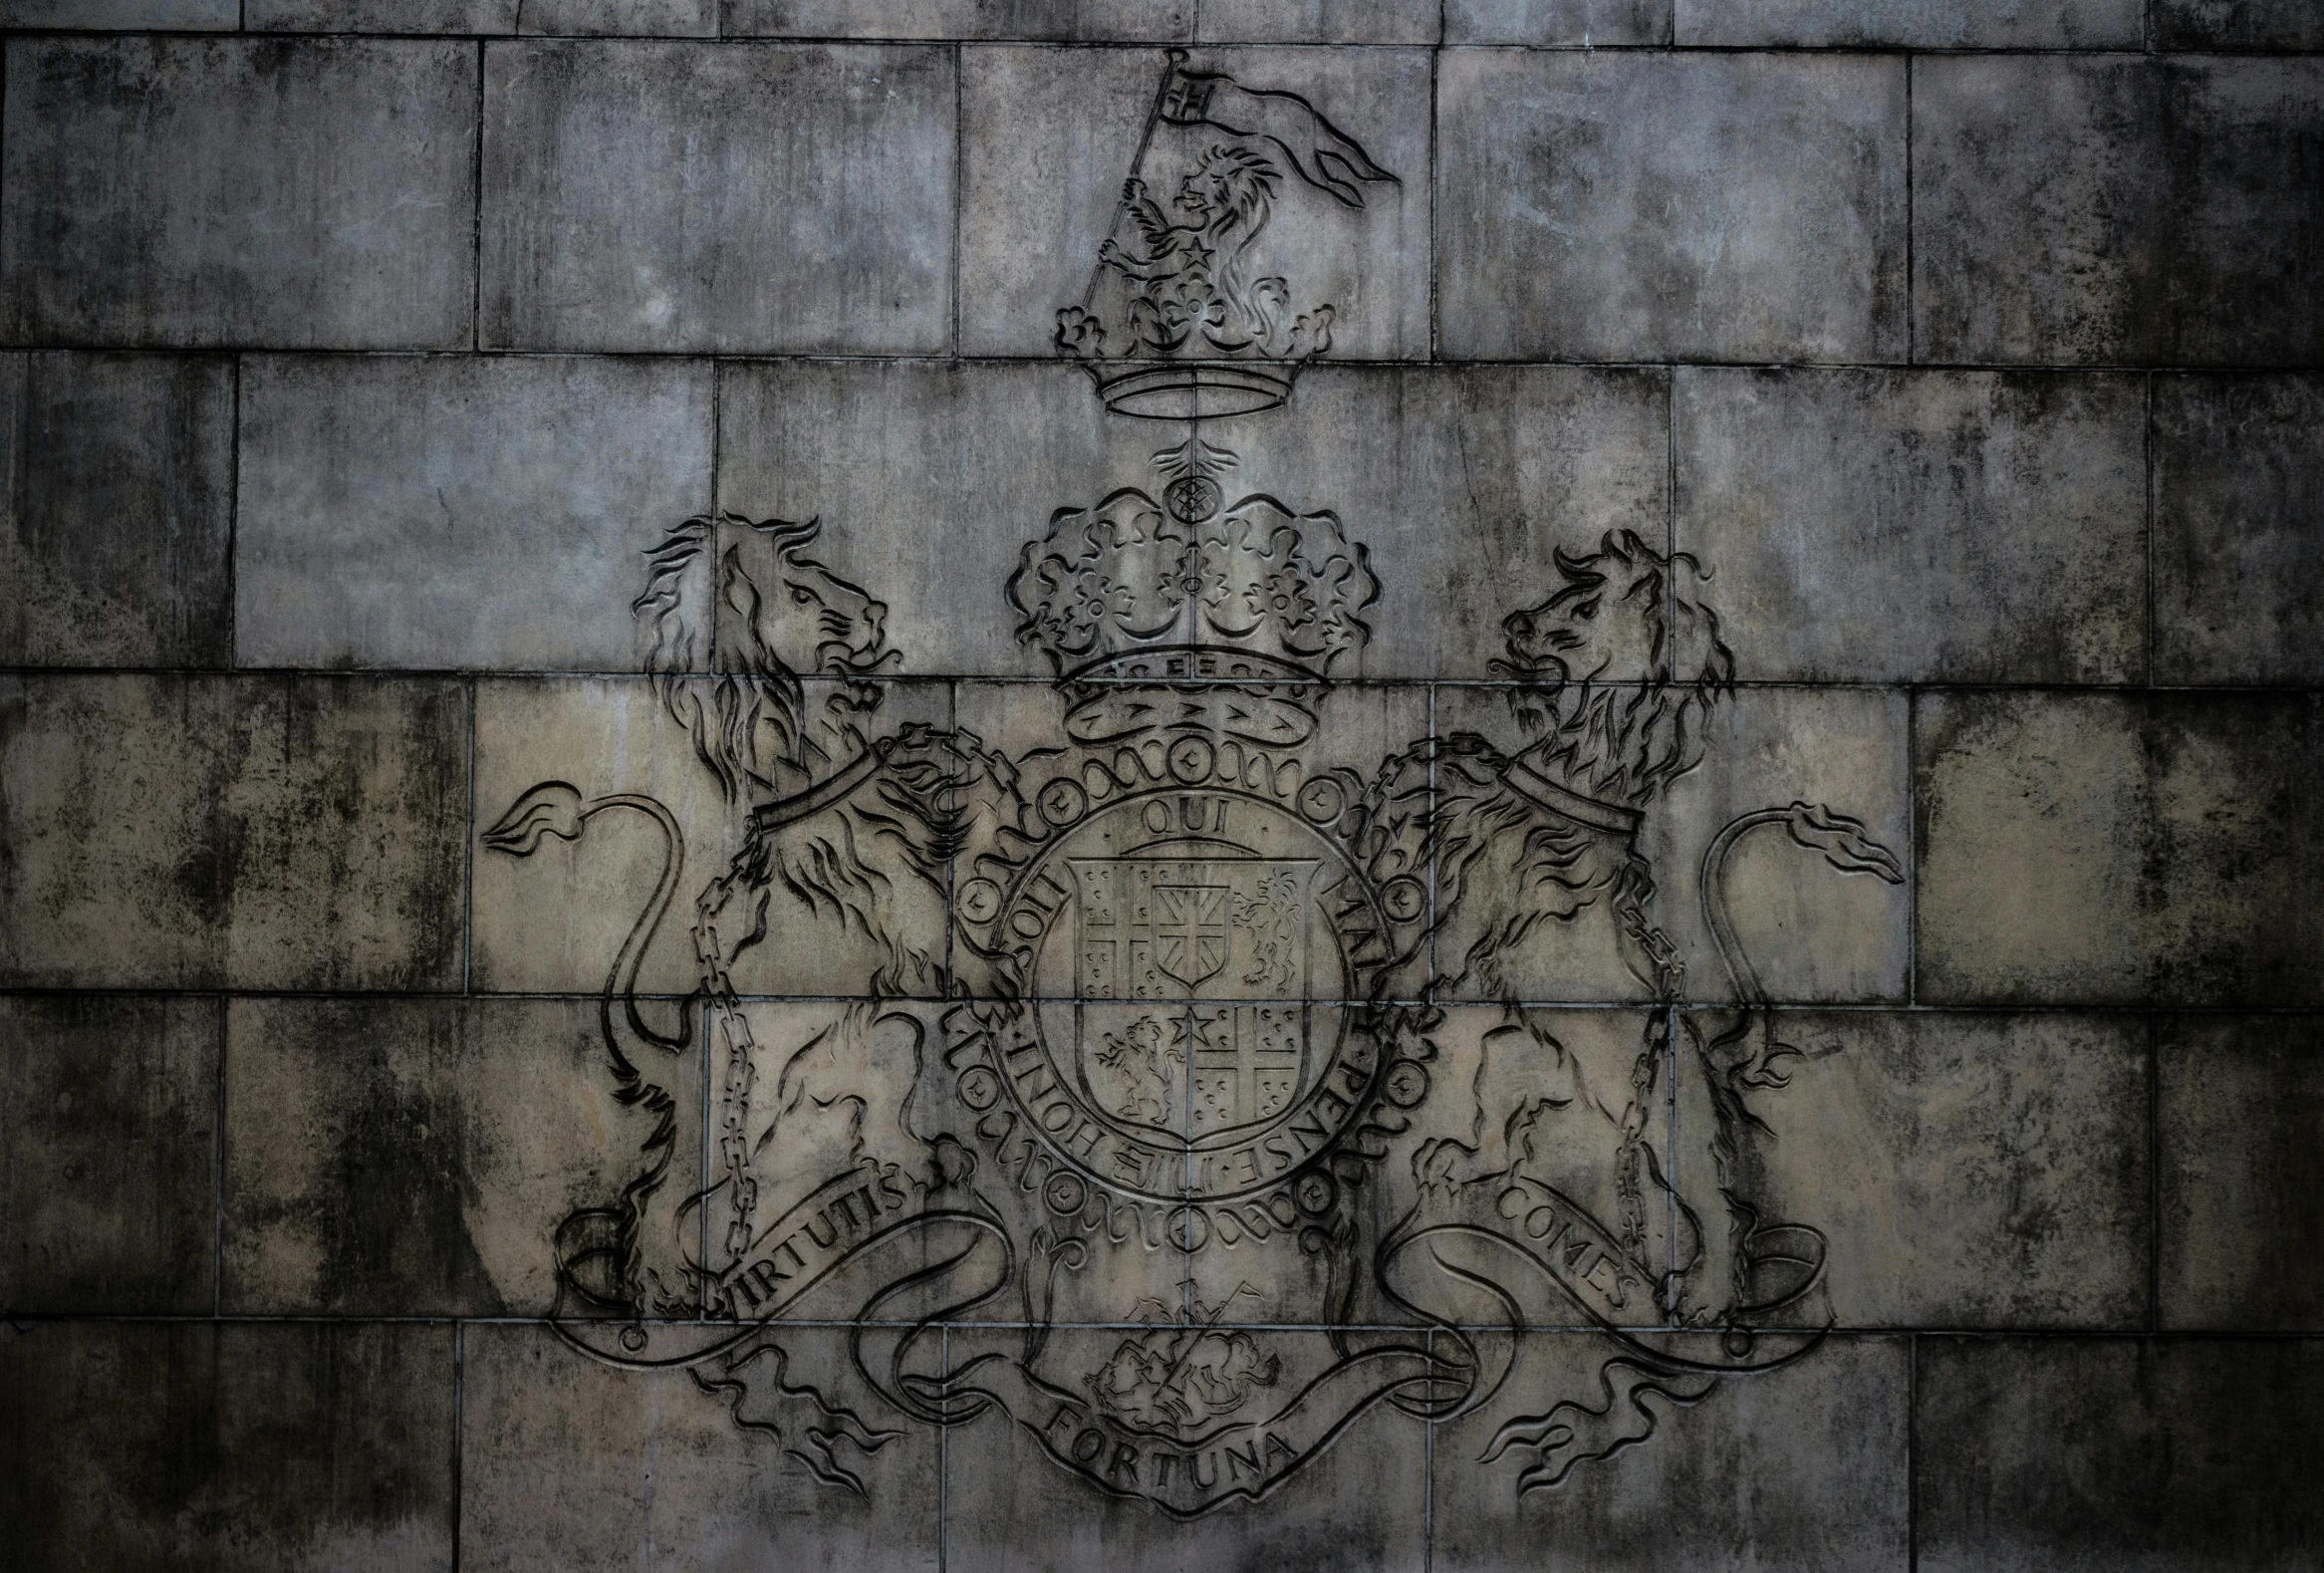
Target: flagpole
[1173,59]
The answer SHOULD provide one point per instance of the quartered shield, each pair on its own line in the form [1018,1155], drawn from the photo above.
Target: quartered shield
[1194,997]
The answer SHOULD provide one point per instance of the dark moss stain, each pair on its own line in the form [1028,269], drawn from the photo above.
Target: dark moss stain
[213,1448]
[389,1210]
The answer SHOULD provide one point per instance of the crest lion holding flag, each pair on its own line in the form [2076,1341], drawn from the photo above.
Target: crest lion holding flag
[1181,278]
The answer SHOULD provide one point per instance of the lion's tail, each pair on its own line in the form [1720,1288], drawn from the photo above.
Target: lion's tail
[600,1259]
[1847,845]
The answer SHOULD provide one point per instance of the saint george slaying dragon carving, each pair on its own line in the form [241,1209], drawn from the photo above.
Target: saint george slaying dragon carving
[1164,1001]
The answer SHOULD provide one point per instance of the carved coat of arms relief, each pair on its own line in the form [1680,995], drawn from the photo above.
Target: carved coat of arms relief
[1200,1030]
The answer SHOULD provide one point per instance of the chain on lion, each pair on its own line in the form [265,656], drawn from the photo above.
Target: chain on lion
[734,1099]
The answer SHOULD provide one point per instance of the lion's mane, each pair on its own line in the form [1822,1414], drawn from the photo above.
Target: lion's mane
[722,688]
[1620,736]
[1247,180]
[862,862]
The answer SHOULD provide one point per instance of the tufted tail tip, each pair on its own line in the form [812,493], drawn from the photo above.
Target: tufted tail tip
[1845,842]
[550,809]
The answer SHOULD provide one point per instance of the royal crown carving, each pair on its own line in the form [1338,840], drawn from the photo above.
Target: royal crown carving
[1136,595]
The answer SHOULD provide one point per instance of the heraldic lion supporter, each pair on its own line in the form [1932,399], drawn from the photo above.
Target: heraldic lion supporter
[1169,987]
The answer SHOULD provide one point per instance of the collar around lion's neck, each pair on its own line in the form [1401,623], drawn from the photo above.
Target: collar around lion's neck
[822,795]
[1522,778]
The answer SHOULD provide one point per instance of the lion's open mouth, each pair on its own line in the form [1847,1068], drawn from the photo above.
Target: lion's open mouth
[836,659]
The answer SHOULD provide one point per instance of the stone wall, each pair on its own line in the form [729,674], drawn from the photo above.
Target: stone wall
[1671,918]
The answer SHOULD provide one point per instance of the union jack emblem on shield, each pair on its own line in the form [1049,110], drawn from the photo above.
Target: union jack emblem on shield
[1193,977]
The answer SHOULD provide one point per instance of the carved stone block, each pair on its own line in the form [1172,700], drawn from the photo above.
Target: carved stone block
[1623,206]
[680,196]
[2240,1221]
[1912,24]
[414,1158]
[1314,22]
[84,1078]
[936,526]
[1551,22]
[2237,24]
[2238,529]
[2012,1182]
[1081,863]
[1008,1507]
[232,833]
[2073,1456]
[2117,209]
[457,513]
[1470,482]
[1051,135]
[624,18]
[570,1466]
[1555,1121]
[1818,932]
[385,16]
[1805,1470]
[1083,22]
[2115,849]
[1919,526]
[313,194]
[552,922]
[124,15]
[224,1448]
[119,474]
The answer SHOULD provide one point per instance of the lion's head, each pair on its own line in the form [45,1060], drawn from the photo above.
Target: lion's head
[1618,669]
[1230,191]
[740,615]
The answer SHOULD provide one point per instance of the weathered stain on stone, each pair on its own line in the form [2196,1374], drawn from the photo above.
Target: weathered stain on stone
[1325,955]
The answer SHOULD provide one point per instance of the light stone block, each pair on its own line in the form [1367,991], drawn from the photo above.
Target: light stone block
[931,527]
[1539,1097]
[84,1079]
[2112,209]
[2075,1455]
[2238,529]
[1618,206]
[2237,24]
[2113,849]
[1462,486]
[1064,21]
[1360,1506]
[680,196]
[1912,24]
[1965,1170]
[1520,462]
[229,1448]
[1919,526]
[571,1466]
[555,919]
[122,15]
[382,16]
[1356,727]
[119,482]
[1314,22]
[1812,932]
[1801,1468]
[433,513]
[232,833]
[1050,136]
[2239,1099]
[1588,23]
[620,18]
[307,194]
[414,1158]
